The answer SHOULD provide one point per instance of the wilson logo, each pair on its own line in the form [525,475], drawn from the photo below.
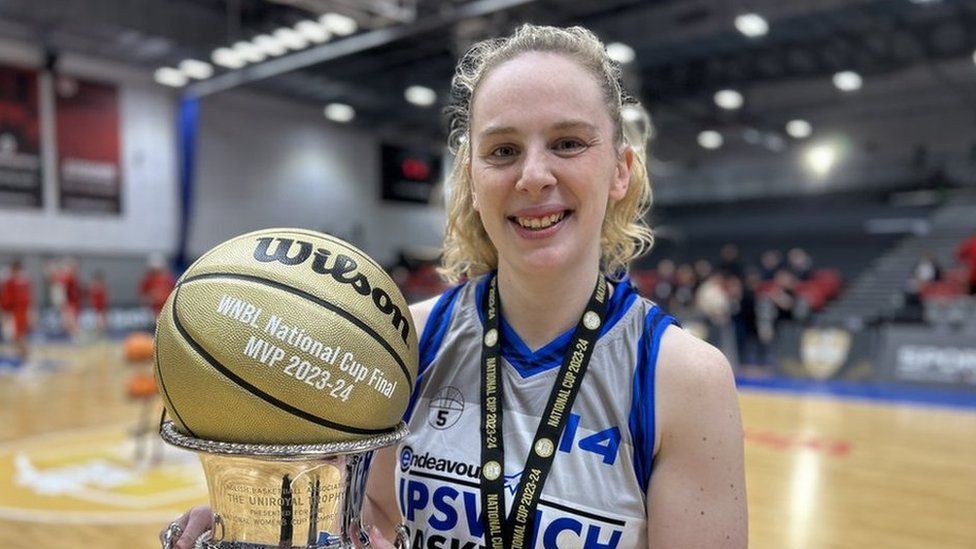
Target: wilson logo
[340,267]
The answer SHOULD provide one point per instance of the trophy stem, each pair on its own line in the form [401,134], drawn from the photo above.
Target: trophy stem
[285,497]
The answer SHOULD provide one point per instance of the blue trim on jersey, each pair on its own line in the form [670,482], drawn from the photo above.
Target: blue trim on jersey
[431,339]
[641,421]
[528,363]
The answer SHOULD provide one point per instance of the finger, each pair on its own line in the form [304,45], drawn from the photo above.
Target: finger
[377,540]
[180,520]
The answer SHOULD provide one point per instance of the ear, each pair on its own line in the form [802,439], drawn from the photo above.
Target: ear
[621,179]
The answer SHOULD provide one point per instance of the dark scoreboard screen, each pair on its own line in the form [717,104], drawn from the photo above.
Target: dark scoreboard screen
[409,175]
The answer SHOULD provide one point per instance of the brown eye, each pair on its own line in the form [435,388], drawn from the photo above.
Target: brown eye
[504,151]
[569,145]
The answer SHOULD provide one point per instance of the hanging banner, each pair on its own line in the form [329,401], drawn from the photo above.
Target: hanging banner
[20,138]
[87,122]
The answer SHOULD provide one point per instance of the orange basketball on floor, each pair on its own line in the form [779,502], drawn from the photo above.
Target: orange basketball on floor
[138,347]
[141,386]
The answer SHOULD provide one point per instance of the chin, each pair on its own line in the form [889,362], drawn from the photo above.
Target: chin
[549,259]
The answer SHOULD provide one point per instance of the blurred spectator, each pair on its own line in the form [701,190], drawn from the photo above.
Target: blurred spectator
[156,284]
[98,299]
[730,264]
[770,262]
[966,254]
[703,270]
[799,263]
[663,289]
[783,295]
[745,322]
[713,302]
[15,302]
[65,292]
[683,297]
[927,269]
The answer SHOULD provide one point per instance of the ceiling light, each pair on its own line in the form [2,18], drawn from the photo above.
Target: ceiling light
[728,99]
[249,52]
[420,95]
[168,76]
[339,112]
[315,33]
[621,53]
[799,128]
[710,139]
[339,24]
[291,39]
[974,56]
[848,81]
[226,57]
[269,45]
[196,69]
[821,158]
[751,25]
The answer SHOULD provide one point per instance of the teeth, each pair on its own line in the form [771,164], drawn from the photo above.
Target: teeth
[539,222]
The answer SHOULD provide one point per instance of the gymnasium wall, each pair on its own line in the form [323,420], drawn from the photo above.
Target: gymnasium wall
[148,221]
[264,162]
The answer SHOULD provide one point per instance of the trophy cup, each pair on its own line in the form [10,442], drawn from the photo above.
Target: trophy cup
[285,358]
[285,496]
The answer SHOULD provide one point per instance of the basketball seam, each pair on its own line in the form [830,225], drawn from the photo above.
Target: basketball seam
[162,385]
[258,392]
[327,304]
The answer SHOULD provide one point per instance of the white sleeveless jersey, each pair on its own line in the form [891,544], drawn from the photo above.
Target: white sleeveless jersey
[595,495]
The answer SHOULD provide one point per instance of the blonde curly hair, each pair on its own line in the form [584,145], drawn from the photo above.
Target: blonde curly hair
[468,251]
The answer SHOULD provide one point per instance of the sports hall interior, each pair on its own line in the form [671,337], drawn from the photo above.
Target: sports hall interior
[813,165]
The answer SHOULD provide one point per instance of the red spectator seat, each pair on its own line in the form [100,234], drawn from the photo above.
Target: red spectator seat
[942,290]
[644,280]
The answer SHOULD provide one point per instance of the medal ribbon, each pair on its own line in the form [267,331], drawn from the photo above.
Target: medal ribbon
[516,531]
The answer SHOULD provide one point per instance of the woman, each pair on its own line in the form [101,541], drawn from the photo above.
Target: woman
[545,214]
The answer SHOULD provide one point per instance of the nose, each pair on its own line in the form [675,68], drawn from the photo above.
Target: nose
[536,173]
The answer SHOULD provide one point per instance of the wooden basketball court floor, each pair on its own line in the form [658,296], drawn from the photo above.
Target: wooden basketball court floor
[822,472]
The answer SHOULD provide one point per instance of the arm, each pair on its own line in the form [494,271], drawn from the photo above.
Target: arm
[697,495]
[381,509]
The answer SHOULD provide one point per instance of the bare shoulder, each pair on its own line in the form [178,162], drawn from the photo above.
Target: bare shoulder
[694,381]
[686,362]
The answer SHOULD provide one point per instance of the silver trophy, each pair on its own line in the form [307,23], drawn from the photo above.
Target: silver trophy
[295,496]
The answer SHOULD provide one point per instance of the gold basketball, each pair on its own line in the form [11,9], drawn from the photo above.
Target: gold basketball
[285,336]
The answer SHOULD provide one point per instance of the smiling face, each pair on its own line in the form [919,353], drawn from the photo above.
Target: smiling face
[544,162]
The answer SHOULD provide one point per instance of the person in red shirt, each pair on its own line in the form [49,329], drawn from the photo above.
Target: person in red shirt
[98,298]
[156,284]
[62,279]
[15,301]
[966,254]
[72,297]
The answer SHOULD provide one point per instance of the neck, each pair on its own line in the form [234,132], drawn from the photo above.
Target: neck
[541,308]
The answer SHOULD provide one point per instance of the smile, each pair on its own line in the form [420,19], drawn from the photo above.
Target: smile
[539,223]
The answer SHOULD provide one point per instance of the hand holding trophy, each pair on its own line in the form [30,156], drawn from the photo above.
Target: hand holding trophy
[285,357]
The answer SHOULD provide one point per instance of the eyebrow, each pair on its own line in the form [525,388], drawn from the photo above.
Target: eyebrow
[561,125]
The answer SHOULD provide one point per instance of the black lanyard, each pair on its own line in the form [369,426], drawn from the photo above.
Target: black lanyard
[516,531]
